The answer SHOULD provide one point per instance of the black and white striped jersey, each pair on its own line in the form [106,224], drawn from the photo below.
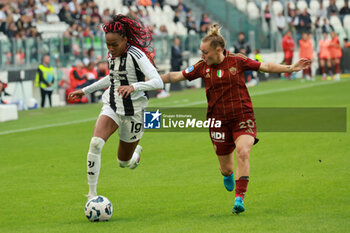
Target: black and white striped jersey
[129,69]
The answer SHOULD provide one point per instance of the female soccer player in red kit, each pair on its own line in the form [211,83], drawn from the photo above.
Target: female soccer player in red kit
[325,56]
[306,51]
[229,102]
[336,54]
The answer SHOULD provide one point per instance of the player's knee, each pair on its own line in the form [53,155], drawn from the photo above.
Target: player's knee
[96,145]
[242,153]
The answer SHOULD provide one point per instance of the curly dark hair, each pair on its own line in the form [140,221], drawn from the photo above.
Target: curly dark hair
[136,34]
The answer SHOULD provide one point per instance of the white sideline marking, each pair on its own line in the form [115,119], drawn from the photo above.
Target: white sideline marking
[182,105]
[47,126]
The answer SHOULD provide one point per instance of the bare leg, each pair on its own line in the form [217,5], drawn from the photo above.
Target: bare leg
[226,167]
[244,144]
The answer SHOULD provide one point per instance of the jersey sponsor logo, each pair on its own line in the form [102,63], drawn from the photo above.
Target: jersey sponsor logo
[218,136]
[189,69]
[151,120]
[220,73]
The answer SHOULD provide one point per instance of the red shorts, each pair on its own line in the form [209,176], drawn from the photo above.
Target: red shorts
[223,138]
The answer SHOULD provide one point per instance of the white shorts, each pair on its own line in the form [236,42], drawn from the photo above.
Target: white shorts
[130,128]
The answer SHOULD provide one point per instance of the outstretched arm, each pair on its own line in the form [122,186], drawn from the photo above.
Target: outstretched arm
[270,67]
[173,77]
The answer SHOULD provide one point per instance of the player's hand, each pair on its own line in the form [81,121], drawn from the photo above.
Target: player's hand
[76,95]
[125,91]
[302,64]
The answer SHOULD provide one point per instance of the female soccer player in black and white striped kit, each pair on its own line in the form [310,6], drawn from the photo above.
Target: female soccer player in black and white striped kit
[130,62]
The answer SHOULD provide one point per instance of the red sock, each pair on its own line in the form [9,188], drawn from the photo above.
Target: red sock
[323,69]
[241,187]
[337,68]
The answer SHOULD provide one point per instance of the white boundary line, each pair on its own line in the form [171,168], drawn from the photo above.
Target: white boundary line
[182,105]
[47,126]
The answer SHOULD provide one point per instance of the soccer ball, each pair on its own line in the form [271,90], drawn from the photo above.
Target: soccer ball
[98,209]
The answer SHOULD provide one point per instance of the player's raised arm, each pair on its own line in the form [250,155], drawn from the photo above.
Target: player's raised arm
[173,77]
[270,67]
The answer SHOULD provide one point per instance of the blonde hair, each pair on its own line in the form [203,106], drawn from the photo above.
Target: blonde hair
[215,37]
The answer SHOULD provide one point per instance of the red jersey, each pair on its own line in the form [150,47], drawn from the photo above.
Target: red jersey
[335,49]
[288,46]
[306,49]
[227,94]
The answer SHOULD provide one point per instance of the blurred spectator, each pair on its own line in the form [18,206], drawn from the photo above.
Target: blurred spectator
[3,16]
[205,23]
[344,11]
[267,15]
[41,10]
[332,9]
[288,47]
[102,69]
[78,78]
[321,12]
[89,71]
[106,16]
[12,30]
[281,22]
[73,7]
[24,23]
[181,14]
[241,46]
[290,20]
[128,2]
[176,17]
[191,24]
[306,51]
[296,23]
[305,22]
[176,55]
[163,31]
[327,27]
[183,6]
[144,18]
[257,56]
[65,14]
[45,79]
[96,14]
[90,57]
[21,7]
[87,32]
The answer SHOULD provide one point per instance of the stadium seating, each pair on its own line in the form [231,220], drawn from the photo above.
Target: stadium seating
[314,6]
[339,4]
[302,5]
[277,7]
[253,11]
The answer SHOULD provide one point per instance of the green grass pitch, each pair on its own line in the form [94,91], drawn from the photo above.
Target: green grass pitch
[299,182]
